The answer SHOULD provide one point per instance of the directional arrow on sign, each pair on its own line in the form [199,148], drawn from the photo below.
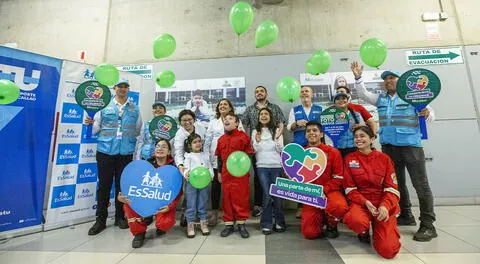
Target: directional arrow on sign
[450,55]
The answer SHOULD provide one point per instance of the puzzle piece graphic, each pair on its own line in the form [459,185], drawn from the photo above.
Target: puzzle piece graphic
[296,153]
[312,174]
[292,171]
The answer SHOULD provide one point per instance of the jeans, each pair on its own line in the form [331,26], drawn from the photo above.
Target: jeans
[268,176]
[196,202]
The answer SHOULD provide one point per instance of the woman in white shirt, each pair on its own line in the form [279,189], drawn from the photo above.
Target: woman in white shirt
[269,168]
[214,132]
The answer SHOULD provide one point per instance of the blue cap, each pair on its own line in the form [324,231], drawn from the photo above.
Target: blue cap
[158,103]
[338,95]
[386,73]
[123,81]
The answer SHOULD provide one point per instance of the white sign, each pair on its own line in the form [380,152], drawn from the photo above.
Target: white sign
[434,56]
[143,70]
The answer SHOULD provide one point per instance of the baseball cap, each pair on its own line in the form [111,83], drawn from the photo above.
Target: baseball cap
[338,95]
[386,73]
[122,81]
[157,103]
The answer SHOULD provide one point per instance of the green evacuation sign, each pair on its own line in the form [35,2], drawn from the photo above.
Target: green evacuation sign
[434,56]
[145,70]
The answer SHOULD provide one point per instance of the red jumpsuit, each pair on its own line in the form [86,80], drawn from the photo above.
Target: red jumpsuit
[331,180]
[163,221]
[236,190]
[372,177]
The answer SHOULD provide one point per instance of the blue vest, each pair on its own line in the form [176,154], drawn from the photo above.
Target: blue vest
[299,112]
[398,122]
[108,142]
[148,145]
[346,141]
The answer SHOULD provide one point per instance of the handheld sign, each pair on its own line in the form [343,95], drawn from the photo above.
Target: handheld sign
[92,96]
[163,127]
[150,189]
[419,87]
[335,122]
[301,166]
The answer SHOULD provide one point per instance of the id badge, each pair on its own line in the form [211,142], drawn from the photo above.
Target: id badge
[119,134]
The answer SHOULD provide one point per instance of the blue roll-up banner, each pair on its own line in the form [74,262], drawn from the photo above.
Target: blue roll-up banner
[26,128]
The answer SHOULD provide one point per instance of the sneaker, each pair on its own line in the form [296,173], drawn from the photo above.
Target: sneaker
[204,227]
[228,230]
[98,227]
[121,223]
[183,221]
[138,240]
[425,233]
[298,214]
[243,231]
[406,219]
[257,211]
[266,231]
[364,237]
[160,232]
[191,230]
[278,228]
[331,232]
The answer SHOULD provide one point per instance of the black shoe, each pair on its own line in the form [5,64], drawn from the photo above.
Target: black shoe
[266,231]
[121,223]
[257,211]
[331,232]
[148,220]
[364,238]
[138,240]
[228,230]
[160,232]
[425,233]
[183,221]
[98,227]
[406,219]
[243,231]
[278,228]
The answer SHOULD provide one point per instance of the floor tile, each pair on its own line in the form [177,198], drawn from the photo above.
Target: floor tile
[305,258]
[103,242]
[405,258]
[230,259]
[12,243]
[137,258]
[449,258]
[89,257]
[446,217]
[444,243]
[470,234]
[472,212]
[22,257]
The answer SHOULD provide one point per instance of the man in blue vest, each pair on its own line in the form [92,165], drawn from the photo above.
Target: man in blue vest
[400,138]
[145,143]
[298,118]
[118,126]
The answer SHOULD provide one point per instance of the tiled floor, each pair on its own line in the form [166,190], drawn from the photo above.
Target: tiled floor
[458,241]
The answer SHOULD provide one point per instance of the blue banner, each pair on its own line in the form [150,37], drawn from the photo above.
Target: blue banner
[25,132]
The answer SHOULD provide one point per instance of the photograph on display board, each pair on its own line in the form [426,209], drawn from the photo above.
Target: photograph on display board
[202,96]
[324,87]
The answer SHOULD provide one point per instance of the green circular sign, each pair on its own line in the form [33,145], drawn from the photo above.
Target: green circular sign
[418,86]
[163,127]
[92,96]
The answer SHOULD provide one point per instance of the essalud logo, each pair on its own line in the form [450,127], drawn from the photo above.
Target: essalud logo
[85,193]
[151,188]
[89,153]
[87,173]
[72,113]
[66,175]
[70,133]
[68,154]
[63,196]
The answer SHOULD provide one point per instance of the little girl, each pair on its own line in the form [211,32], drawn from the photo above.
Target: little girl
[196,198]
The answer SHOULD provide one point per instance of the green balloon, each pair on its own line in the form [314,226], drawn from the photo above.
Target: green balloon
[107,74]
[165,79]
[323,60]
[9,92]
[288,89]
[241,17]
[199,177]
[266,34]
[238,163]
[163,46]
[373,52]
[312,67]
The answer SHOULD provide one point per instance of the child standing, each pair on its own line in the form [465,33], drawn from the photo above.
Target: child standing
[236,190]
[196,198]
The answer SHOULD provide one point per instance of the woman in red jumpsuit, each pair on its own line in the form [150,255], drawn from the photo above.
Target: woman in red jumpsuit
[371,187]
[165,216]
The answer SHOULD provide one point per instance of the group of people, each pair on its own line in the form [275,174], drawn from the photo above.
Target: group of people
[364,187]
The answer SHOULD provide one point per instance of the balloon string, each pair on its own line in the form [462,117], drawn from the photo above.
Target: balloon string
[238,45]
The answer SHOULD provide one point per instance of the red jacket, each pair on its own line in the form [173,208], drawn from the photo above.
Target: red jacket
[331,179]
[236,140]
[371,177]
[170,161]
[361,110]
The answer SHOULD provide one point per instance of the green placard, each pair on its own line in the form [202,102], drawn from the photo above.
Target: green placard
[92,96]
[418,86]
[163,127]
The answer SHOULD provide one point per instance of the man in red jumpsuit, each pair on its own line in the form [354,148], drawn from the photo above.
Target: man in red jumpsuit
[371,185]
[331,180]
[236,190]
